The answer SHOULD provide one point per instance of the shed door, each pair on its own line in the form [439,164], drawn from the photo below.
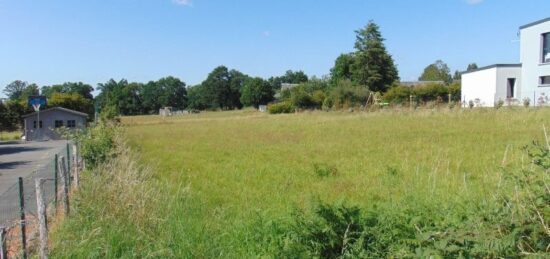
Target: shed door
[510,89]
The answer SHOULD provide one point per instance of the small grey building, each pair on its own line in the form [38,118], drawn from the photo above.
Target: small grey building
[43,126]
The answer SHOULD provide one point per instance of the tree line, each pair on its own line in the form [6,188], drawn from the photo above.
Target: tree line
[355,77]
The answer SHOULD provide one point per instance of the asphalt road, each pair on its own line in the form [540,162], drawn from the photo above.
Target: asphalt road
[27,160]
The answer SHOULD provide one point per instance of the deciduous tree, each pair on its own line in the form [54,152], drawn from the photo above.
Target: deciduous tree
[438,71]
[255,92]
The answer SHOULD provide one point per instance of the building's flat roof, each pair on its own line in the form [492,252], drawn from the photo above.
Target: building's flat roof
[534,23]
[58,109]
[491,66]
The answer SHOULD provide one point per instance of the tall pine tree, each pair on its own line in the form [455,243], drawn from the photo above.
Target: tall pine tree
[373,67]
[370,65]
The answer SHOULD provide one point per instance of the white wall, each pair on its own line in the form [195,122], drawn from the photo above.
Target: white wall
[503,73]
[531,48]
[480,85]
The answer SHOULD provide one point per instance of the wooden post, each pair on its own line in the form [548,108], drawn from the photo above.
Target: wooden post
[75,167]
[3,247]
[68,164]
[55,181]
[22,222]
[42,219]
[65,182]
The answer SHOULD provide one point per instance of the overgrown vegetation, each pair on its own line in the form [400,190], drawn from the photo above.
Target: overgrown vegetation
[462,189]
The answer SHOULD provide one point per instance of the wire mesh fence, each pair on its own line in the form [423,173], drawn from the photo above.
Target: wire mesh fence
[18,204]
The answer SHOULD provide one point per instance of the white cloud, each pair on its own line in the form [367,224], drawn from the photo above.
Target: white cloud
[183,2]
[474,2]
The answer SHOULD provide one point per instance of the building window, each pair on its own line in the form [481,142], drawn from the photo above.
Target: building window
[71,123]
[34,124]
[58,123]
[545,80]
[546,48]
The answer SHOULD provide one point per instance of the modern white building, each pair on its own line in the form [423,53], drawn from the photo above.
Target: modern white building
[514,83]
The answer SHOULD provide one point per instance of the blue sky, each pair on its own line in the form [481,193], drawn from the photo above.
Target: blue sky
[48,42]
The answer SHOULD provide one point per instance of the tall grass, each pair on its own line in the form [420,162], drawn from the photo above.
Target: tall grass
[10,135]
[228,184]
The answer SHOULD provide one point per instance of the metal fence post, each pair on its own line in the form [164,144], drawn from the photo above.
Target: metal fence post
[55,176]
[3,248]
[22,213]
[42,217]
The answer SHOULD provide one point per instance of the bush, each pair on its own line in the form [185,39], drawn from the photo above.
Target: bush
[346,94]
[455,91]
[398,95]
[431,92]
[282,107]
[97,143]
[301,99]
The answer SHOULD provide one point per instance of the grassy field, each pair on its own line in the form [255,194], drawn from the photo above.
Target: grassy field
[10,135]
[244,172]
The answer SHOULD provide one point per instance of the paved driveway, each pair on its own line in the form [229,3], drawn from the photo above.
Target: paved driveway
[23,159]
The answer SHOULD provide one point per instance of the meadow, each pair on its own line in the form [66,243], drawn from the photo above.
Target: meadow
[231,184]
[10,135]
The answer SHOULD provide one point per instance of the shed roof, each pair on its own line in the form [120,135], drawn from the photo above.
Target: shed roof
[534,23]
[491,66]
[58,109]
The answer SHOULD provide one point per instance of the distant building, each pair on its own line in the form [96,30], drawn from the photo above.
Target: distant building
[528,80]
[43,126]
[285,86]
[420,83]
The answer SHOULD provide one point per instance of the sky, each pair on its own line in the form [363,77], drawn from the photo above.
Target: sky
[56,41]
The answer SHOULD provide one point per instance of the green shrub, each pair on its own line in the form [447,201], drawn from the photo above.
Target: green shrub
[328,103]
[282,107]
[431,92]
[398,95]
[301,99]
[346,94]
[97,143]
[455,91]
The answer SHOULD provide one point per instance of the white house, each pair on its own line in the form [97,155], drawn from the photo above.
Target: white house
[514,83]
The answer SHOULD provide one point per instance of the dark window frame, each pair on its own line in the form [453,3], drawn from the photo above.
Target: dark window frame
[545,48]
[58,123]
[71,123]
[544,81]
[34,124]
